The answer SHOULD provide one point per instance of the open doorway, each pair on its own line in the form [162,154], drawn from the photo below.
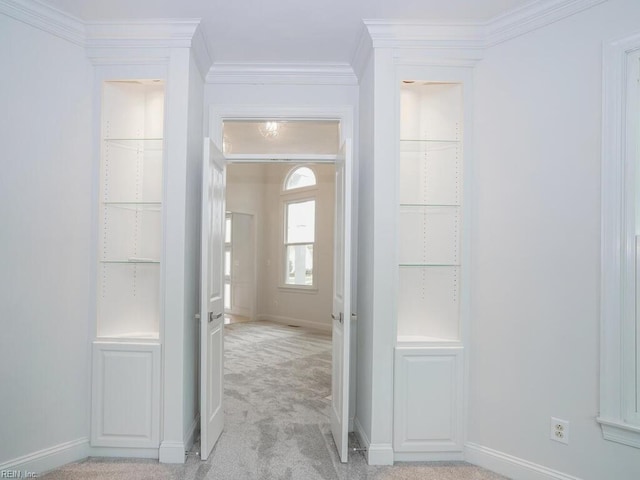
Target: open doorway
[292,265]
[240,267]
[283,243]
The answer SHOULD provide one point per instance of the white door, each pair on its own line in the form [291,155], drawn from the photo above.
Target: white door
[212,298]
[341,303]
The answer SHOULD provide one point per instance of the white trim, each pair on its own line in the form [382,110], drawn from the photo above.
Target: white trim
[510,466]
[363,52]
[280,157]
[49,458]
[363,439]
[620,432]
[46,18]
[295,321]
[472,35]
[423,34]
[162,33]
[614,354]
[201,53]
[311,73]
[172,452]
[532,16]
[190,436]
[123,452]
[380,454]
[428,456]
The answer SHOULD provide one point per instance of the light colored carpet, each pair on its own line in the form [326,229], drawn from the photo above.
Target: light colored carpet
[277,380]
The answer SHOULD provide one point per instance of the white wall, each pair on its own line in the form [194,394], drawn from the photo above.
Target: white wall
[536,246]
[364,377]
[192,252]
[45,212]
[256,189]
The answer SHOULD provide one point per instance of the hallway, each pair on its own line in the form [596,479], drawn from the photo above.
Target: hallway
[277,384]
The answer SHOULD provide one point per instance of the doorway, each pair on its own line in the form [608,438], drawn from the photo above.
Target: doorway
[297,254]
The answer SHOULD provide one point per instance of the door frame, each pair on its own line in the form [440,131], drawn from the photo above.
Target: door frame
[218,113]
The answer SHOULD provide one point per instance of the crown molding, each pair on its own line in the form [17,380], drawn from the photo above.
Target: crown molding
[201,52]
[471,36]
[282,73]
[161,33]
[532,16]
[425,35]
[46,18]
[363,53]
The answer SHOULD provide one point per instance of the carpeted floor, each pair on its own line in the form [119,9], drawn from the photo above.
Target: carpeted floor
[277,384]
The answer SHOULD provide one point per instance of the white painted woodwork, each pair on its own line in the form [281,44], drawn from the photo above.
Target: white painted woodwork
[341,303]
[620,286]
[428,399]
[126,395]
[212,298]
[130,211]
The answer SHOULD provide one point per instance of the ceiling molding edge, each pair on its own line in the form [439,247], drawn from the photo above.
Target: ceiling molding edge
[472,35]
[201,53]
[282,73]
[532,16]
[153,33]
[363,53]
[46,18]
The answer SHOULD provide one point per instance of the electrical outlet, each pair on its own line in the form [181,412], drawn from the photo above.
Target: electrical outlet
[559,430]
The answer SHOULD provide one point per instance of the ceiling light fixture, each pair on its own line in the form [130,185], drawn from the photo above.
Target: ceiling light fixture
[269,130]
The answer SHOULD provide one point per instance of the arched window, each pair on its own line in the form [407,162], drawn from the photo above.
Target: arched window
[300,177]
[299,204]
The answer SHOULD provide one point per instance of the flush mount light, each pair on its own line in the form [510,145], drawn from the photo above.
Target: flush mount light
[269,129]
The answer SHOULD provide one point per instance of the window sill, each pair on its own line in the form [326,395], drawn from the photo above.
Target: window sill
[298,289]
[620,432]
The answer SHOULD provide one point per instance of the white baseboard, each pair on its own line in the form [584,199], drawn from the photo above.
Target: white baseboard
[190,437]
[377,454]
[510,466]
[380,454]
[48,458]
[172,452]
[325,327]
[428,456]
[123,452]
[361,434]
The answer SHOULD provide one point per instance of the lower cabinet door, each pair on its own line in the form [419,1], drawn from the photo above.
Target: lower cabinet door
[428,399]
[125,405]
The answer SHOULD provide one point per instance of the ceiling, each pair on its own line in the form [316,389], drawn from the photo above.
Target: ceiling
[285,31]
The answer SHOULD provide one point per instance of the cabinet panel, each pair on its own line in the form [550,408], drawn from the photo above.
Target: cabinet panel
[428,400]
[126,395]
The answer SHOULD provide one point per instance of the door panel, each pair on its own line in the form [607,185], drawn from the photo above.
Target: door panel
[212,298]
[341,303]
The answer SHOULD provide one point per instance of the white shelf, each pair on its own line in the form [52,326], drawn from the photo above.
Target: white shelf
[429,214]
[130,216]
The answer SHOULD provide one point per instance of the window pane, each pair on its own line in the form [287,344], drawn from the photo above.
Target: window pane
[300,177]
[227,296]
[227,229]
[301,222]
[299,265]
[227,263]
